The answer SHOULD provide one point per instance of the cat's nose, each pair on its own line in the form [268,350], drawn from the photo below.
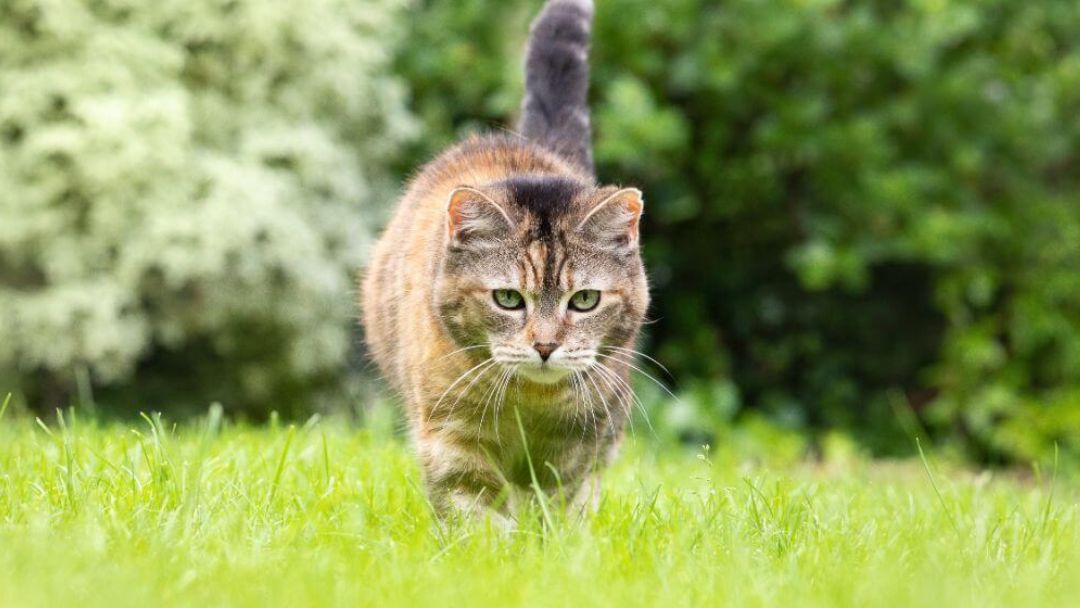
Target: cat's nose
[545,349]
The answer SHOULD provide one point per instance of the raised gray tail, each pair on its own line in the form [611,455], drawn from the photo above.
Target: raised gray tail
[555,112]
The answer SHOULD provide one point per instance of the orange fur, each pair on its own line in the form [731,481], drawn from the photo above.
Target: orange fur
[467,447]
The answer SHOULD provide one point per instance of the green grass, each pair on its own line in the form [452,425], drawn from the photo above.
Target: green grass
[212,515]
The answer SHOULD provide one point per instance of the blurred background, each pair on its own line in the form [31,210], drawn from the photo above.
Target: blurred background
[863,216]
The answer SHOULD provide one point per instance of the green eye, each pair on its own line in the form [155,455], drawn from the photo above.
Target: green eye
[585,300]
[509,299]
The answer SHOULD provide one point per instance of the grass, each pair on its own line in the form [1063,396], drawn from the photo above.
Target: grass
[211,514]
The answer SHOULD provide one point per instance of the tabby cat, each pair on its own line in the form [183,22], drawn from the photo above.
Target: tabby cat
[503,299]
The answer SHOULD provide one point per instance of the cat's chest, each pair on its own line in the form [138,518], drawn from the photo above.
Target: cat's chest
[549,453]
[546,434]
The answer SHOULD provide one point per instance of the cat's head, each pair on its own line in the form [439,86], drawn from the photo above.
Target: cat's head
[544,272]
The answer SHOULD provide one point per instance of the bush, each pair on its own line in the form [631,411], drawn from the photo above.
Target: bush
[856,210]
[186,189]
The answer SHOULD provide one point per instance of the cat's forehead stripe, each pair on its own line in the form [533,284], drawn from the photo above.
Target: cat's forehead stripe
[545,268]
[532,278]
[523,274]
[545,199]
[564,256]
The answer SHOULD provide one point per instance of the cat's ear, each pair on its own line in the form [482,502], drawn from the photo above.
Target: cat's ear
[473,218]
[614,221]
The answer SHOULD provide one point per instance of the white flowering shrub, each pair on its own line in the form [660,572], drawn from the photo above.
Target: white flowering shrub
[185,192]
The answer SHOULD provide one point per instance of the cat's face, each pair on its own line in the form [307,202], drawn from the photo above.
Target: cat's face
[543,274]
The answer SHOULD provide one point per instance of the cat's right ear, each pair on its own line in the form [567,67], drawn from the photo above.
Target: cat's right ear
[473,218]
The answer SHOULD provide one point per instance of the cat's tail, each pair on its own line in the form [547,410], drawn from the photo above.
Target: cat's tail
[555,111]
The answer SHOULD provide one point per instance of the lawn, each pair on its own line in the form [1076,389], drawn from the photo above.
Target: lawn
[214,514]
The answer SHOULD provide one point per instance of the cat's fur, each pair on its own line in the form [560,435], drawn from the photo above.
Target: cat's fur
[490,391]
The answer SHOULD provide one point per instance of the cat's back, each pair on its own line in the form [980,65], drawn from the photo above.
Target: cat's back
[396,298]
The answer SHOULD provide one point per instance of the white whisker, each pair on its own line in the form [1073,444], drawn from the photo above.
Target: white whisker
[455,383]
[614,377]
[501,399]
[599,395]
[615,390]
[632,352]
[468,388]
[487,400]
[642,372]
[461,350]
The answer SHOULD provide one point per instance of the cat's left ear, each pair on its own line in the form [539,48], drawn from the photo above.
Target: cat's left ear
[473,218]
[614,221]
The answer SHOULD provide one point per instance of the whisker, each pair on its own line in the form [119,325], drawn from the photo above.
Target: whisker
[596,420]
[461,350]
[487,400]
[501,400]
[623,402]
[599,395]
[468,388]
[575,397]
[642,372]
[590,413]
[632,352]
[577,358]
[630,391]
[455,383]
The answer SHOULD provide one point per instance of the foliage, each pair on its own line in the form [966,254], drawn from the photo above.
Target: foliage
[232,516]
[186,191]
[856,210]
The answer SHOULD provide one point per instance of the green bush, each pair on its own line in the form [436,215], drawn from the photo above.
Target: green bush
[856,210]
[185,192]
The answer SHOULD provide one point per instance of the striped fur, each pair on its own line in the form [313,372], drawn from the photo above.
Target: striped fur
[498,212]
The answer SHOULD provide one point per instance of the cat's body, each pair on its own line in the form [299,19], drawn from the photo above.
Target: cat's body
[504,295]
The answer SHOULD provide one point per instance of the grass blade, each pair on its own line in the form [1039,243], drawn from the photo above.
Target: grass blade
[532,473]
[941,499]
[280,466]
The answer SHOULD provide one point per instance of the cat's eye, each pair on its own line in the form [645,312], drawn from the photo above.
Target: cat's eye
[508,299]
[584,300]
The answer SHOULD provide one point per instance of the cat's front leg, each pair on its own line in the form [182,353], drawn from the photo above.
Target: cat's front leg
[462,485]
[586,499]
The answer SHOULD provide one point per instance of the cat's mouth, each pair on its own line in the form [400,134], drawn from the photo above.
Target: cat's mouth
[542,373]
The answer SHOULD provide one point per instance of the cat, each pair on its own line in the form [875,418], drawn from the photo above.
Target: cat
[503,300]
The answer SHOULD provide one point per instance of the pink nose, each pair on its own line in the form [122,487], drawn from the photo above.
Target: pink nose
[545,349]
